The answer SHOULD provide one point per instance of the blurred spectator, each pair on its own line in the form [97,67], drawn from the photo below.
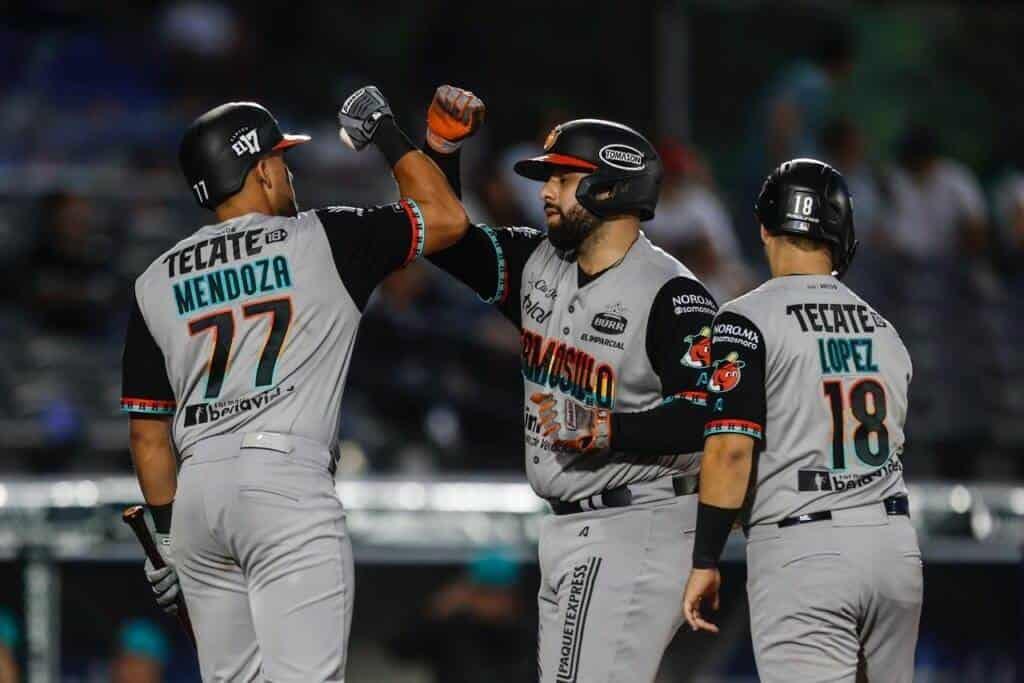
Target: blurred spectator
[10,635]
[475,628]
[798,100]
[843,146]
[938,206]
[1009,207]
[142,653]
[68,280]
[693,225]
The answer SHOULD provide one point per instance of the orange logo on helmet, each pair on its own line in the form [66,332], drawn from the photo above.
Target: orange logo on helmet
[552,136]
[727,373]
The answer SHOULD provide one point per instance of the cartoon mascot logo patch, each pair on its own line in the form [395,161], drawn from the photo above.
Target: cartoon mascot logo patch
[727,373]
[699,353]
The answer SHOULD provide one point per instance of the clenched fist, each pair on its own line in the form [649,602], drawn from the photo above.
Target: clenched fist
[454,115]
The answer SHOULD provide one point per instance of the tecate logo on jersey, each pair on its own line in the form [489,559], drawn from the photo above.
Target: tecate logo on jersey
[623,157]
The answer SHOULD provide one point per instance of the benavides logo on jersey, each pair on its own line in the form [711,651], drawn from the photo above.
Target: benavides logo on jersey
[727,373]
[203,413]
[623,157]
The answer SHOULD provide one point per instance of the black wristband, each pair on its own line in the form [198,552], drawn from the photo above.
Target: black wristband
[391,141]
[162,517]
[449,164]
[713,527]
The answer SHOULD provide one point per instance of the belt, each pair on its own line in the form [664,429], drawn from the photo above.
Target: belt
[619,497]
[894,506]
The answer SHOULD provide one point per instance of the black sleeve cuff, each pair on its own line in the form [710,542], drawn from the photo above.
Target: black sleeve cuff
[162,517]
[391,141]
[713,527]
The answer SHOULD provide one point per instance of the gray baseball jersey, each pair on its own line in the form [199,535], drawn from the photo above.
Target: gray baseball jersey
[820,379]
[249,324]
[634,339]
[243,333]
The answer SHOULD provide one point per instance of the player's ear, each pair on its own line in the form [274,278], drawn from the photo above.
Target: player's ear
[764,235]
[262,170]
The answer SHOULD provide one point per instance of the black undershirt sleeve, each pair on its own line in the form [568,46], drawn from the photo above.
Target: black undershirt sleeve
[736,392]
[490,261]
[145,388]
[369,244]
[679,348]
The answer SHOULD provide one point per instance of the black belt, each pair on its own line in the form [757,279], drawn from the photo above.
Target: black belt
[618,497]
[894,506]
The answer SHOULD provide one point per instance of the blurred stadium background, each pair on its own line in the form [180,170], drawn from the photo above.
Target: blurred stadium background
[920,105]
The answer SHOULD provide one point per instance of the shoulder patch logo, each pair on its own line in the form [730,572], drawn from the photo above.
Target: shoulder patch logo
[727,373]
[698,355]
[623,157]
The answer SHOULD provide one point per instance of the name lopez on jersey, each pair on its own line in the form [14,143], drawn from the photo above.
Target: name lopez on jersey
[225,285]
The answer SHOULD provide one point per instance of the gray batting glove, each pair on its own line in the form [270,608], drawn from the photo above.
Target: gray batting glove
[164,581]
[360,115]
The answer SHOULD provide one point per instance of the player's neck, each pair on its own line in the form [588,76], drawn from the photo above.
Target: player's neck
[789,262]
[245,202]
[608,244]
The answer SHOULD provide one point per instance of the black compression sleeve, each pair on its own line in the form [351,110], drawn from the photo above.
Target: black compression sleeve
[713,527]
[391,141]
[676,426]
[449,165]
[162,517]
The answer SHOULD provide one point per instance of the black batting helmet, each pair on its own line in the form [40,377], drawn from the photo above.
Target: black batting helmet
[221,147]
[809,198]
[620,161]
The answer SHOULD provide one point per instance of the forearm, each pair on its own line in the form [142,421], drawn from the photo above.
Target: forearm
[676,426]
[153,457]
[724,477]
[420,179]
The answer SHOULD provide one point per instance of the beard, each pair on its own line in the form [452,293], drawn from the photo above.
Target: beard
[575,226]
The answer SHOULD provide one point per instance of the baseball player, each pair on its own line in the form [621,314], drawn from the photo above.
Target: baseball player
[614,392]
[236,355]
[809,379]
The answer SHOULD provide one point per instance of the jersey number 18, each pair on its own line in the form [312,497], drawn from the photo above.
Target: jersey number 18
[867,404]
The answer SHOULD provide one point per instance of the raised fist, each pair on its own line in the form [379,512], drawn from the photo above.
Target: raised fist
[360,115]
[454,115]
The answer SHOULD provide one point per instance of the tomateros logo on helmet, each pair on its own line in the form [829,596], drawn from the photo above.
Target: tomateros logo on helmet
[623,157]
[552,137]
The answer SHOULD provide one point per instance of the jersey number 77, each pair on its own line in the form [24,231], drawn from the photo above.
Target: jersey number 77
[222,325]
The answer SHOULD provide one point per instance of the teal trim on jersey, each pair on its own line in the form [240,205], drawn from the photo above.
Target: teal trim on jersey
[228,285]
[499,292]
[421,229]
[133,407]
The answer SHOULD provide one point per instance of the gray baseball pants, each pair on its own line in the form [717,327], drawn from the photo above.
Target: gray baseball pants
[611,592]
[836,600]
[264,559]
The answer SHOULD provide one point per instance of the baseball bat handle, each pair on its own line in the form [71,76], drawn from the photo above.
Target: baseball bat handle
[134,517]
